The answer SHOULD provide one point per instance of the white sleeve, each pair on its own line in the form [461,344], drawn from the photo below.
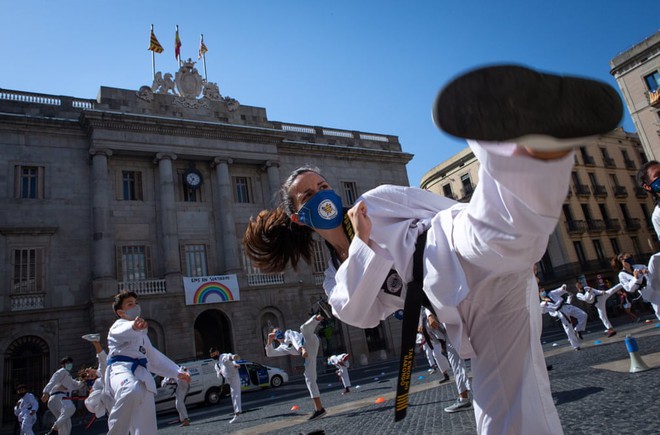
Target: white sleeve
[655,218]
[56,379]
[354,290]
[581,296]
[279,350]
[159,364]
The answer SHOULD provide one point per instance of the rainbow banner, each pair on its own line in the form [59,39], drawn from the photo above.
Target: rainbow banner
[211,289]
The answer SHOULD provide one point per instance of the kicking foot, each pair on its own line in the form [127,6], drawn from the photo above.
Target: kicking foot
[92,337]
[544,112]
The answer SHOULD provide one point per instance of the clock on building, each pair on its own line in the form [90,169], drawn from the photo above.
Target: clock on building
[192,178]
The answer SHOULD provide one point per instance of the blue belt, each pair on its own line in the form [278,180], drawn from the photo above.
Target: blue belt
[121,358]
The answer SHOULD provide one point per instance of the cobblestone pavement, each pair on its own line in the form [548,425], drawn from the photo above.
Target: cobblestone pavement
[590,400]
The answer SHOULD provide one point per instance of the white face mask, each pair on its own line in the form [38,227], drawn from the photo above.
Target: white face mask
[133,313]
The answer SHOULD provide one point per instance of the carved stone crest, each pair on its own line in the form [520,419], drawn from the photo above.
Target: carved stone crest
[188,81]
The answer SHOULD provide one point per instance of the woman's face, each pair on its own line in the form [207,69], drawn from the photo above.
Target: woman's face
[305,186]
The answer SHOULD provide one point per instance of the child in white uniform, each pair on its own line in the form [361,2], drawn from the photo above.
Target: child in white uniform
[342,364]
[599,299]
[98,401]
[131,360]
[306,344]
[478,256]
[554,310]
[568,309]
[181,389]
[640,280]
[227,367]
[57,394]
[26,409]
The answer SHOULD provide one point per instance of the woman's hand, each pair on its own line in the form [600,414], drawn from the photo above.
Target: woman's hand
[360,220]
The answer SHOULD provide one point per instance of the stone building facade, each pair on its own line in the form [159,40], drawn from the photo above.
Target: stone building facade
[637,72]
[98,196]
[605,212]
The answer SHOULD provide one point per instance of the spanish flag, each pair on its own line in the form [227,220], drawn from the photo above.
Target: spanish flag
[202,47]
[154,45]
[177,44]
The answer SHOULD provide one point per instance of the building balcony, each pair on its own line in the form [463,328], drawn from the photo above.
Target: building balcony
[609,162]
[640,192]
[576,227]
[633,224]
[27,301]
[581,190]
[599,190]
[144,287]
[467,192]
[612,225]
[620,192]
[259,279]
[595,225]
[630,164]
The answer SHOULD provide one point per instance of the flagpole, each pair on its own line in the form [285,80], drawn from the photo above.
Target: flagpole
[153,57]
[204,58]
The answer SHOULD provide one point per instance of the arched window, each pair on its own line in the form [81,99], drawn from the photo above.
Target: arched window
[27,361]
[212,329]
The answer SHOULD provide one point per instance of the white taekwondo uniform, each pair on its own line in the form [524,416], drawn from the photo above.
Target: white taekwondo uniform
[553,309]
[291,345]
[432,347]
[477,267]
[181,389]
[599,299]
[59,389]
[651,294]
[567,308]
[26,410]
[131,383]
[228,368]
[342,364]
[99,401]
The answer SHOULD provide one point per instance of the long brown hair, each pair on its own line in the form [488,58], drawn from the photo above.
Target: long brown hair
[272,240]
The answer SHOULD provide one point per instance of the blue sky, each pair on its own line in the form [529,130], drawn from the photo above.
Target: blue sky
[372,66]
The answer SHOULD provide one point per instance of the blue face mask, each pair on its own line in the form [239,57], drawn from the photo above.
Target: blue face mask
[630,261]
[322,211]
[279,334]
[544,294]
[655,186]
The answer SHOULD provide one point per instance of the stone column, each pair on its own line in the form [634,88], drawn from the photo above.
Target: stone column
[103,243]
[274,182]
[227,242]
[168,225]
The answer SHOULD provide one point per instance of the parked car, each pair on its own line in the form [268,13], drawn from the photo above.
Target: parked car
[206,387]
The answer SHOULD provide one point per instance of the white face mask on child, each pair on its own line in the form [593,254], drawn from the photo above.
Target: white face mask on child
[133,312]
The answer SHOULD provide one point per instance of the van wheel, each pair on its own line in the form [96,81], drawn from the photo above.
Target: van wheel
[276,381]
[213,396]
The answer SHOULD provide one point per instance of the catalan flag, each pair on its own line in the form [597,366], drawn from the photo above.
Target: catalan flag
[202,47]
[154,45]
[177,44]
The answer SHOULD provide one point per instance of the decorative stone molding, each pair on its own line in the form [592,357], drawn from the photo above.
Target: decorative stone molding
[98,152]
[161,156]
[217,160]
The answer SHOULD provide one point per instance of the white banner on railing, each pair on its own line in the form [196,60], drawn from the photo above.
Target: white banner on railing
[211,289]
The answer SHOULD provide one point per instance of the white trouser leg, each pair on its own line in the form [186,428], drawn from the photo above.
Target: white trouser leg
[440,359]
[312,346]
[235,388]
[27,421]
[510,383]
[345,379]
[62,410]
[458,367]
[602,311]
[581,316]
[429,355]
[180,402]
[134,410]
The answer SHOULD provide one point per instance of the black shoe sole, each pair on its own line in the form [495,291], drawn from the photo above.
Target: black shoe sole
[500,103]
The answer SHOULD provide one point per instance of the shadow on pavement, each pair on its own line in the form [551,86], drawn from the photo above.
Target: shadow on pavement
[573,395]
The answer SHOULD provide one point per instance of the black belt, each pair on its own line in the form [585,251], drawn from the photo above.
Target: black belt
[415,297]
